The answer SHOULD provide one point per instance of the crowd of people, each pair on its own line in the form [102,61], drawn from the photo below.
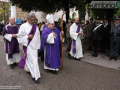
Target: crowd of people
[45,40]
[100,35]
[28,35]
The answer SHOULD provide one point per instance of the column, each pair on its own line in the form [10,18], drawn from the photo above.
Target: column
[13,11]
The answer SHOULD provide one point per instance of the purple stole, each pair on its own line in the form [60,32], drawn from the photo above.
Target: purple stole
[23,59]
[74,41]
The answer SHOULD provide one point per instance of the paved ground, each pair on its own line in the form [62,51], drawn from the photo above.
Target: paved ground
[88,74]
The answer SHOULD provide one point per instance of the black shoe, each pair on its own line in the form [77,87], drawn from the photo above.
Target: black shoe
[54,72]
[77,59]
[94,55]
[69,56]
[36,81]
[15,64]
[28,73]
[12,66]
[111,57]
[115,58]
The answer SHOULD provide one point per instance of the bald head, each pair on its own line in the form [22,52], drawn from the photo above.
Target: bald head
[76,18]
[12,20]
[76,21]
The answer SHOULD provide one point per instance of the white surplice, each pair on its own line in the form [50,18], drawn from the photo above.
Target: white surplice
[16,57]
[77,38]
[32,55]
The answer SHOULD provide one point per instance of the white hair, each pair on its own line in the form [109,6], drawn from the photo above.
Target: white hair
[11,17]
[31,15]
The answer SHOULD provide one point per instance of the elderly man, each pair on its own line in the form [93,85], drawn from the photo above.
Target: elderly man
[76,46]
[11,44]
[50,43]
[29,37]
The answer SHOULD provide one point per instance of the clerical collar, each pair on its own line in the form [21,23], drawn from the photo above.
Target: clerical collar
[29,23]
[11,24]
[75,24]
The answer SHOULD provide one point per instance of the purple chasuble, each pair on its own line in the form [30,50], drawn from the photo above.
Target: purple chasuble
[45,26]
[53,51]
[23,59]
[13,46]
[74,41]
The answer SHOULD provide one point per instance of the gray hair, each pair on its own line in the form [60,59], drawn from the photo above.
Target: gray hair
[31,15]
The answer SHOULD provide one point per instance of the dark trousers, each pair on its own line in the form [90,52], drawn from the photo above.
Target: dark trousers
[90,42]
[69,41]
[108,43]
[96,45]
[103,44]
[40,33]
[114,48]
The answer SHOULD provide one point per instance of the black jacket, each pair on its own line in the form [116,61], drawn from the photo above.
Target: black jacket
[106,31]
[98,33]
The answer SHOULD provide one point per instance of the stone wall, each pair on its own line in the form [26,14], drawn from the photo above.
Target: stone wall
[21,14]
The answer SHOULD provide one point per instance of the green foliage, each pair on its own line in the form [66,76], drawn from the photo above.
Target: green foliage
[117,13]
[36,20]
[7,5]
[49,6]
[98,12]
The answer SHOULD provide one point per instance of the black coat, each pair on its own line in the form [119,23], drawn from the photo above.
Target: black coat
[106,31]
[98,33]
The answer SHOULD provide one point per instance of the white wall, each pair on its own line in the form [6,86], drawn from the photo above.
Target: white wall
[58,15]
[41,16]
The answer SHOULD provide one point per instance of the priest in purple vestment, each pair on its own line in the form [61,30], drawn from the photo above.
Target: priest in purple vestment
[51,44]
[11,44]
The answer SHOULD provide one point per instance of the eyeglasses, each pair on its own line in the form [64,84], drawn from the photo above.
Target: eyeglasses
[32,20]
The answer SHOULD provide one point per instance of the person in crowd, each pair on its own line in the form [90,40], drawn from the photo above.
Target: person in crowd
[29,37]
[12,51]
[51,45]
[76,46]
